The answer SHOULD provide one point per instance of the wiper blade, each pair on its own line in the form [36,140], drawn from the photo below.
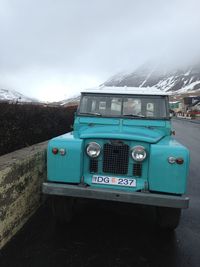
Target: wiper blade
[91,113]
[134,115]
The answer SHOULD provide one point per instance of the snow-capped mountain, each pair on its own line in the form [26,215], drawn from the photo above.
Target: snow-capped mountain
[176,81]
[14,96]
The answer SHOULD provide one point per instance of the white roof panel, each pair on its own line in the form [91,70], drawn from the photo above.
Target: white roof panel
[125,90]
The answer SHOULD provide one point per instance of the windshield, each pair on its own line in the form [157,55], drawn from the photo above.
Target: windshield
[154,107]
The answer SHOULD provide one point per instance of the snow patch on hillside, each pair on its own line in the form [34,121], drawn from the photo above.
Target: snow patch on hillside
[14,96]
[189,88]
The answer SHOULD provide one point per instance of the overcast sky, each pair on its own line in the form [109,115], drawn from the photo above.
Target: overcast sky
[51,49]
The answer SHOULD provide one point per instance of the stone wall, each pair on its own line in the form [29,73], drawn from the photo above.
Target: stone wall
[21,175]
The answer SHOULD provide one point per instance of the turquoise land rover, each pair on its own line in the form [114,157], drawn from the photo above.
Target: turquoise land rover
[121,149]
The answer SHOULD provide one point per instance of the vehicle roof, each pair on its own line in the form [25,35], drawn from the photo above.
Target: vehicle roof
[125,90]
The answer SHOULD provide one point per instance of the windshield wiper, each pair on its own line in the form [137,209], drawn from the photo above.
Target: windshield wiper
[134,115]
[91,113]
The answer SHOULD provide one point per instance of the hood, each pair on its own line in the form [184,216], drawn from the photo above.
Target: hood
[137,133]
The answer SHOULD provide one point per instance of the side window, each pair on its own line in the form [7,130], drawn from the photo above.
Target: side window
[132,106]
[102,105]
[83,107]
[116,105]
[150,110]
[94,105]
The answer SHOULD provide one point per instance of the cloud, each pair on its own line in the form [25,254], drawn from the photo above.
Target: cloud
[66,44]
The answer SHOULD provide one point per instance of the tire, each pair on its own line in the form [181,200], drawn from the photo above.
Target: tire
[168,218]
[62,208]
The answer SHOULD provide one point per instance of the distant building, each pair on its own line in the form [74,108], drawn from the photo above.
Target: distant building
[194,108]
[191,103]
[176,106]
[188,101]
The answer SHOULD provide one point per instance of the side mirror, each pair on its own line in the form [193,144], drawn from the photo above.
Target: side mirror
[173,132]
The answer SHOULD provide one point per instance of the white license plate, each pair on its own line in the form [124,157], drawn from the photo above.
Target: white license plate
[97,179]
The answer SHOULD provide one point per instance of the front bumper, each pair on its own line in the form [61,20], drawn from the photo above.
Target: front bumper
[115,195]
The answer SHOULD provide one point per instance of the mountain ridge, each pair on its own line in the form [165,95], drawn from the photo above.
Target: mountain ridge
[174,81]
[178,81]
[11,95]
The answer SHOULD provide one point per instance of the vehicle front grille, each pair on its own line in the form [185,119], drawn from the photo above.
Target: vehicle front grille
[93,165]
[115,158]
[137,169]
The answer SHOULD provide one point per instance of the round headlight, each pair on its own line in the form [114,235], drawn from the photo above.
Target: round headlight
[138,153]
[93,150]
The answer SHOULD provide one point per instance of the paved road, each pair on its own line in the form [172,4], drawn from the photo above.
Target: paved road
[120,235]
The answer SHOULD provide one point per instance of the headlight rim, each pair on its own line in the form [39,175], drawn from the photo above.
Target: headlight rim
[96,144]
[140,147]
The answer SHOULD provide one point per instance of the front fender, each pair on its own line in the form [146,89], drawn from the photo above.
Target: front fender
[65,168]
[166,177]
